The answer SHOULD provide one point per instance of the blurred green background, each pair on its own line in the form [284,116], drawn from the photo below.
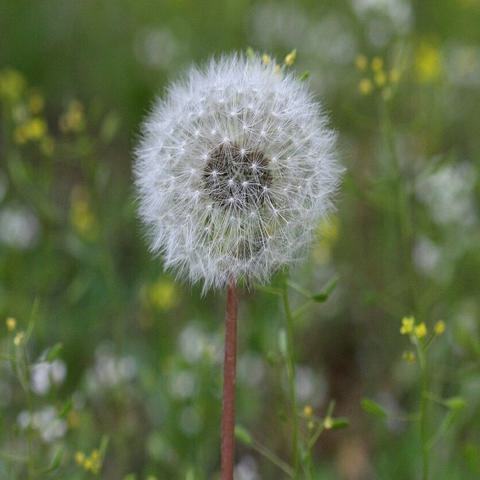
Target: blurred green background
[110,368]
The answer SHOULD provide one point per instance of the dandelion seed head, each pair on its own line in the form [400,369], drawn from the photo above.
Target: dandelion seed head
[265,171]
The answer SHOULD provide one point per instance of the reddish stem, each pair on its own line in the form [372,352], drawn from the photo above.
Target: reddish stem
[228,414]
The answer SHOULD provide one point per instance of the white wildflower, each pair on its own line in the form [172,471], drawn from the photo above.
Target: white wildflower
[234,171]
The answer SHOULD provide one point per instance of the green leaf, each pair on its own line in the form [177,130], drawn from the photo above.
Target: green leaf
[322,297]
[54,352]
[66,409]
[242,435]
[455,403]
[56,461]
[304,76]
[340,422]
[373,408]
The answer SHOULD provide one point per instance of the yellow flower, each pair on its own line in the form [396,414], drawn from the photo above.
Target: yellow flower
[12,84]
[361,62]
[409,356]
[439,327]
[365,86]
[421,330]
[290,58]
[162,294]
[277,69]
[428,63]
[307,410]
[79,458]
[11,324]
[19,339]
[81,215]
[73,120]
[377,64]
[394,75]
[36,103]
[380,78]
[266,59]
[408,324]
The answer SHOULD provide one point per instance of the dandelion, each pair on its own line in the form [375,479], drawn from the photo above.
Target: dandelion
[235,170]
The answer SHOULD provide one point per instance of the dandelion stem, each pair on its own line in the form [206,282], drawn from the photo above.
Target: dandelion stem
[228,414]
[291,377]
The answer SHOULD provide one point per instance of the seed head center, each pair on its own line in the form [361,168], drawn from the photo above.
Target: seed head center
[237,178]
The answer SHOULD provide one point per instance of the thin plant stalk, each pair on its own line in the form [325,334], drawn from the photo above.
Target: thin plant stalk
[229,374]
[291,373]
[423,414]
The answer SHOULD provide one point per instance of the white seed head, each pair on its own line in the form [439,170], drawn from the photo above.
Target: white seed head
[263,177]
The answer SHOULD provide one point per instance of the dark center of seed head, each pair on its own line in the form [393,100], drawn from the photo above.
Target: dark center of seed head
[237,178]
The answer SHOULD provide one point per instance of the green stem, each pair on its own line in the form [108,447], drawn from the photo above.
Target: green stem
[423,412]
[291,373]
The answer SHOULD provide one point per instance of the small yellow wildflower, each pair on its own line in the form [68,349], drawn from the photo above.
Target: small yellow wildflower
[290,58]
[36,103]
[409,356]
[163,294]
[81,215]
[307,411]
[408,324]
[19,339]
[380,78]
[73,120]
[365,86]
[311,425]
[277,69]
[361,62]
[377,64]
[328,423]
[428,63]
[12,84]
[91,463]
[421,330]
[79,458]
[394,75]
[33,129]
[11,324]
[439,327]
[266,59]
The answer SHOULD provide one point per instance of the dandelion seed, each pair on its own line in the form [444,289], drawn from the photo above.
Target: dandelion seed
[237,176]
